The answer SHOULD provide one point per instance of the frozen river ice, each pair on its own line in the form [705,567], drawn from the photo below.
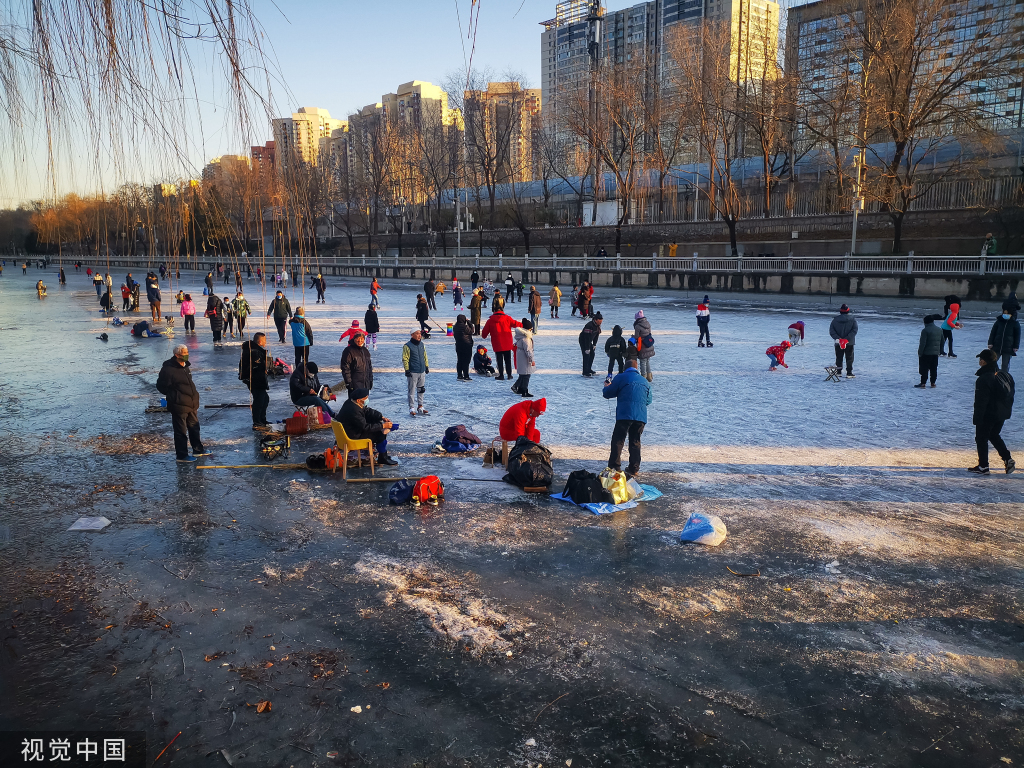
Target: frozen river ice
[886,614]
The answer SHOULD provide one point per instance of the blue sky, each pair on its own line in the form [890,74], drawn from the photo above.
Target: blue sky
[343,55]
[337,55]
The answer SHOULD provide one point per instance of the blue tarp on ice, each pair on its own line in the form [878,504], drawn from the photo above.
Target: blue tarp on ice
[604,508]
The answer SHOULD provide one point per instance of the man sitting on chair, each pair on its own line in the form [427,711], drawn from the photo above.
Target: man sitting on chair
[305,389]
[362,423]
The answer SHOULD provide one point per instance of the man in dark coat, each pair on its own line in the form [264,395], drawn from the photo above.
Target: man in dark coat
[993,405]
[844,330]
[252,369]
[475,305]
[282,312]
[1004,338]
[357,365]
[362,423]
[175,384]
[928,349]
[588,342]
[428,291]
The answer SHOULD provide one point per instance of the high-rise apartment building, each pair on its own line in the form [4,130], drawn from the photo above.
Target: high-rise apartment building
[643,31]
[297,138]
[505,118]
[821,52]
[220,170]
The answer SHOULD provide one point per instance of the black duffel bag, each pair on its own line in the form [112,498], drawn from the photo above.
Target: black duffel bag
[529,465]
[585,488]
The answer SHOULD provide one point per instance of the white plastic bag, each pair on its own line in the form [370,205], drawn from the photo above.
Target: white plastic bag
[704,529]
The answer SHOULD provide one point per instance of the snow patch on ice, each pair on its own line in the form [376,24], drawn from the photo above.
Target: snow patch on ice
[451,608]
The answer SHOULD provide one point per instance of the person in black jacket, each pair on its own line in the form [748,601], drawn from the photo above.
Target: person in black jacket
[588,343]
[1004,338]
[356,363]
[463,333]
[215,313]
[423,312]
[282,312]
[428,289]
[320,285]
[362,423]
[304,387]
[993,405]
[1011,304]
[175,384]
[615,348]
[252,369]
[372,325]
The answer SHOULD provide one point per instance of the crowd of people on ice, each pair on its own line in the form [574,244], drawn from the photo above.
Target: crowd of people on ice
[630,357]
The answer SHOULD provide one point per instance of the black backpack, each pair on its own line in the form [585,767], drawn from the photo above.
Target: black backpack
[585,487]
[529,465]
[1005,390]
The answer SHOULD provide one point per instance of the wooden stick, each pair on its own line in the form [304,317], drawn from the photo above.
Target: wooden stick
[252,466]
[228,405]
[166,748]
[379,479]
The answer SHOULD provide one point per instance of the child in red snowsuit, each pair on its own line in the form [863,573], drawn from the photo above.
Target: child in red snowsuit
[777,355]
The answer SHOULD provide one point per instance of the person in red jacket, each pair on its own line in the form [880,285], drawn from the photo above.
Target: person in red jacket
[499,327]
[777,355]
[520,420]
[796,333]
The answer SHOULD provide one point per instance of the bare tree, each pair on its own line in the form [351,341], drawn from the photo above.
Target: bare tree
[702,73]
[616,131]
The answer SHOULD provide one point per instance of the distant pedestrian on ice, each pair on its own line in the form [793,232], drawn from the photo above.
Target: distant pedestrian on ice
[950,323]
[615,348]
[1004,338]
[645,344]
[993,405]
[703,321]
[928,351]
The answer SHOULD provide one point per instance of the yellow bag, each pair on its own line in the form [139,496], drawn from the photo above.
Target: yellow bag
[615,483]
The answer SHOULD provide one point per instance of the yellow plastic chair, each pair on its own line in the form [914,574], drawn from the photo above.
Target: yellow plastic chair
[346,444]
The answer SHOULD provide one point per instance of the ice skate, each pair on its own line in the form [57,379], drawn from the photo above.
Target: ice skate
[1010,466]
[423,411]
[710,344]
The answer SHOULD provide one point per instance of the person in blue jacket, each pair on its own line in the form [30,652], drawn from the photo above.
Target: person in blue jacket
[632,393]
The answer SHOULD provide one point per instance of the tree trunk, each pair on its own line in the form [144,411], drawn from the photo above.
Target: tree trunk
[897,231]
[618,238]
[730,221]
[526,238]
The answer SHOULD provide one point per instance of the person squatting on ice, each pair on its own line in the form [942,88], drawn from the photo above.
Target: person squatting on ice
[993,405]
[777,355]
[252,371]
[521,421]
[417,366]
[362,423]
[796,333]
[482,362]
[844,330]
[632,394]
[928,349]
[175,384]
[703,321]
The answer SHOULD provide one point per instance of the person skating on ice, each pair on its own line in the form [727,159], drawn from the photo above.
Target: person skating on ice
[703,321]
[928,348]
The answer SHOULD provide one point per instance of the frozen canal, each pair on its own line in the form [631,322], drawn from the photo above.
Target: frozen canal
[885,627]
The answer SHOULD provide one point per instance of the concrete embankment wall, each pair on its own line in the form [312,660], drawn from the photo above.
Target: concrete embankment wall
[974,288]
